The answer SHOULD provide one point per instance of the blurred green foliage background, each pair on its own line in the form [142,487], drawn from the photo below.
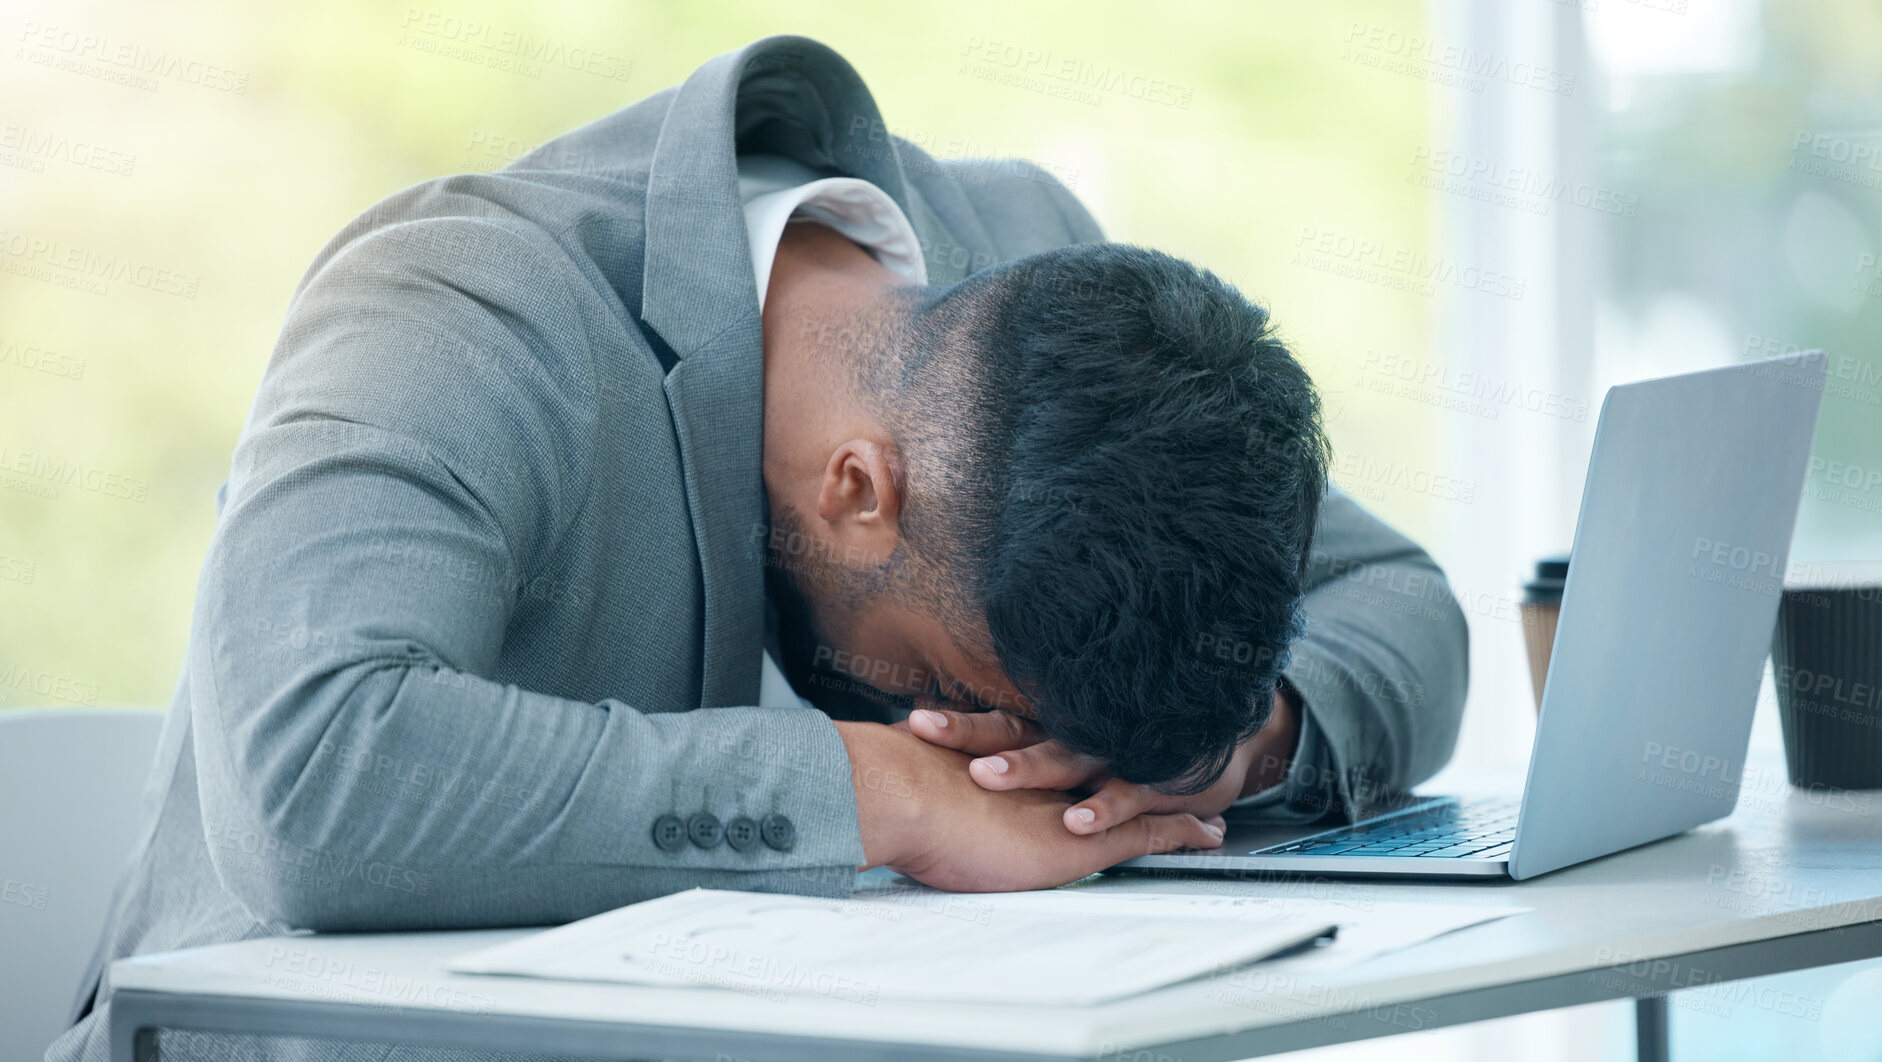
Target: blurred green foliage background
[231,193]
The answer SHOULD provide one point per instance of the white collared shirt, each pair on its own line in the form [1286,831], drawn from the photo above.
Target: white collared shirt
[776,189]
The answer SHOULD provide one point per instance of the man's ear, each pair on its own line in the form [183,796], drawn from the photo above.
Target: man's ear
[860,498]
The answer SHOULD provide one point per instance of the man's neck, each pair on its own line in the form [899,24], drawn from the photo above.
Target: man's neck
[824,311]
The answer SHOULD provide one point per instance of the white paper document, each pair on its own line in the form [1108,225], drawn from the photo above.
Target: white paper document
[1368,927]
[1058,948]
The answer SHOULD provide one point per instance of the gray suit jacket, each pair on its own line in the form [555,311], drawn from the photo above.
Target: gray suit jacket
[485,596]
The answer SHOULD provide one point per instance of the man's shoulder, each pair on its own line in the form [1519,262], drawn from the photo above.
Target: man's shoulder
[572,207]
[990,210]
[474,306]
[507,223]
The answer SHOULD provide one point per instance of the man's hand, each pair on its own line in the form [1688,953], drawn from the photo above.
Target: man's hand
[1014,756]
[922,815]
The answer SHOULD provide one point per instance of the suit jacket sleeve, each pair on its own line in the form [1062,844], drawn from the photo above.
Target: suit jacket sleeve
[1381,670]
[1383,665]
[412,451]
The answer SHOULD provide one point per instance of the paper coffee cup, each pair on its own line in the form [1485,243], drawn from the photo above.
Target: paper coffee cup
[1826,662]
[1541,609]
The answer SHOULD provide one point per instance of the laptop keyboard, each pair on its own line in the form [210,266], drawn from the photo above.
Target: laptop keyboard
[1448,829]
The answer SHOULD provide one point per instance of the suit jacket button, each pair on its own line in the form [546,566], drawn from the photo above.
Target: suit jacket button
[778,832]
[705,830]
[669,833]
[742,834]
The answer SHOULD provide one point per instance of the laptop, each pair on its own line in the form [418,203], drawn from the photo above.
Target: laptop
[1672,594]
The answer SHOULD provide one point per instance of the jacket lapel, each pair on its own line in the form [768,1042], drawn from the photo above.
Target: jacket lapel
[782,95]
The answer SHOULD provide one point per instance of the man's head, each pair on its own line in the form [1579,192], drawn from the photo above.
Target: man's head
[1080,485]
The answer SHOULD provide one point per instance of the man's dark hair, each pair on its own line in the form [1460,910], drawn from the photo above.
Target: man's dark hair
[1112,459]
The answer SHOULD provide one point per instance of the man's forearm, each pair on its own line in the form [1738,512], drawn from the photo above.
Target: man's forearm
[1267,756]
[1382,669]
[887,801]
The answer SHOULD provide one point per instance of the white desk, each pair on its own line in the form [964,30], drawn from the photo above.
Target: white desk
[1791,880]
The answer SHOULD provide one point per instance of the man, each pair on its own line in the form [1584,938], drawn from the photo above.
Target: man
[557,472]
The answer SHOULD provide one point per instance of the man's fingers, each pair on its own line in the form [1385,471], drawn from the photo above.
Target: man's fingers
[1046,765]
[975,733]
[1156,834]
[1117,801]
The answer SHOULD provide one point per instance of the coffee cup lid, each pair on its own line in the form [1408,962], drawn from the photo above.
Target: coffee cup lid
[1551,575]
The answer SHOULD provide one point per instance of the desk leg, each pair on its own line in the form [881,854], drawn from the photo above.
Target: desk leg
[1650,1030]
[132,1037]
[134,1045]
